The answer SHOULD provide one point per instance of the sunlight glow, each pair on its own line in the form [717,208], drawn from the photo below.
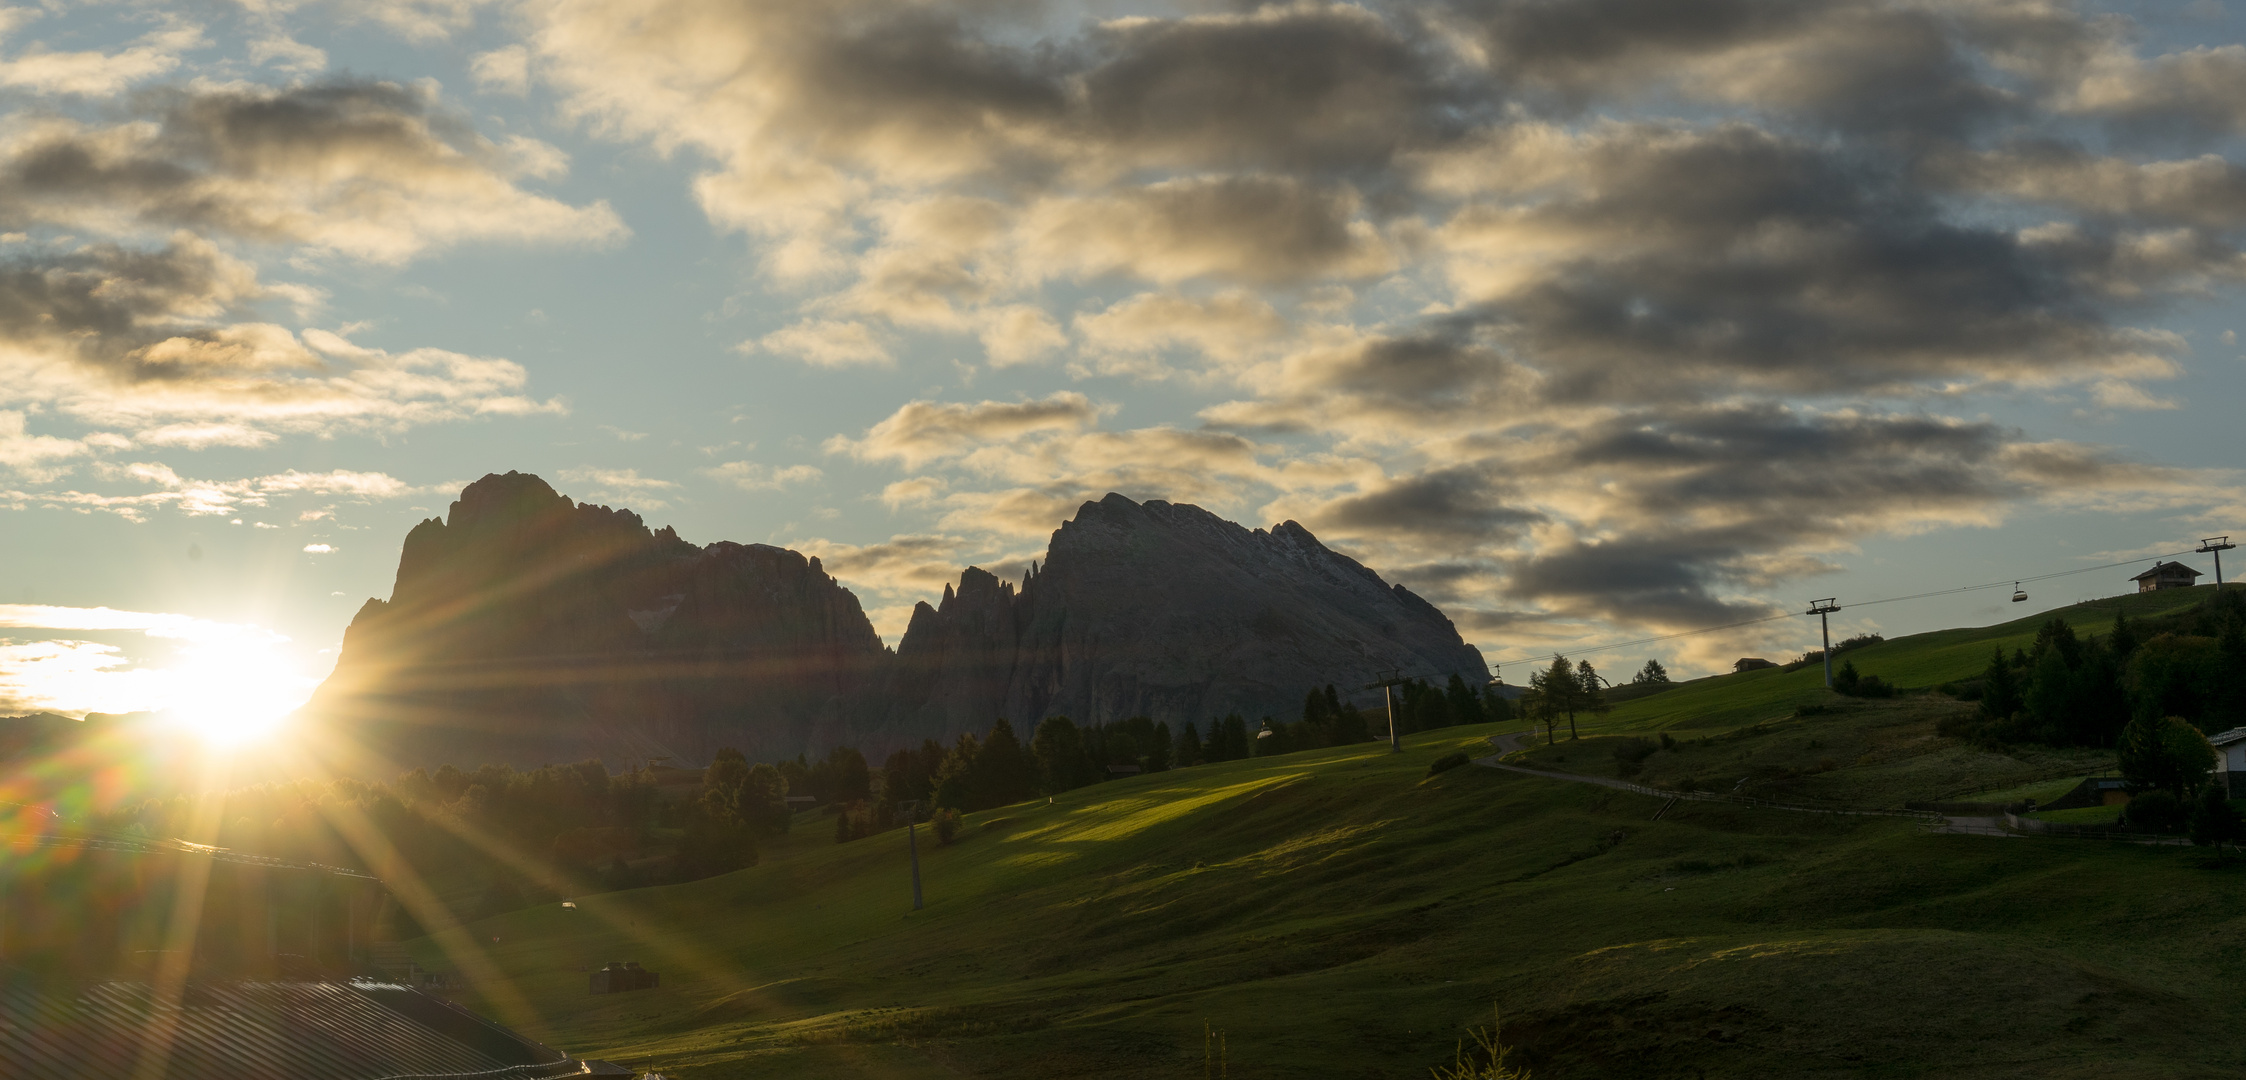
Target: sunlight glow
[228,683]
[230,693]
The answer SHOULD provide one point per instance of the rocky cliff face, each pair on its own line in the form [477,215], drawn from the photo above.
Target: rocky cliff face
[1166,611]
[525,628]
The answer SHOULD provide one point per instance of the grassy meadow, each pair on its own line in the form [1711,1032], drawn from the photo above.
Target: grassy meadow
[1340,913]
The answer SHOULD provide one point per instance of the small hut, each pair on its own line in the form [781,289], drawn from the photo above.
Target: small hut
[2167,575]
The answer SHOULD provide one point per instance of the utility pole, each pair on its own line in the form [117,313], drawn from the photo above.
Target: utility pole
[1387,684]
[912,845]
[2216,545]
[1824,609]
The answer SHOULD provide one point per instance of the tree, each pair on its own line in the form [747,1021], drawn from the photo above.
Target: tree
[1465,704]
[763,801]
[1495,708]
[721,786]
[1594,693]
[2000,688]
[2214,820]
[954,781]
[847,780]
[1187,751]
[1158,751]
[1653,674]
[1059,751]
[1559,693]
[1004,772]
[2166,754]
[2176,675]
[1349,726]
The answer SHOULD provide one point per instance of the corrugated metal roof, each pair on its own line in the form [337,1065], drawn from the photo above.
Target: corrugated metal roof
[356,1029]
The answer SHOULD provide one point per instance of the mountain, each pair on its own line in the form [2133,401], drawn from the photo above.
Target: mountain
[527,628]
[1167,611]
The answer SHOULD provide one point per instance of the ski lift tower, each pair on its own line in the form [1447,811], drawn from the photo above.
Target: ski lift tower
[1386,684]
[2216,545]
[1823,609]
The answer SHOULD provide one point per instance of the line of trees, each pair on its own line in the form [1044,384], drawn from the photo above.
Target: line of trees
[2073,690]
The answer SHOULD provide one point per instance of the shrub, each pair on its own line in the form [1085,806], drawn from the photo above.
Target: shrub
[2214,820]
[1447,762]
[1667,743]
[1486,1061]
[2167,753]
[2158,810]
[1630,755]
[946,822]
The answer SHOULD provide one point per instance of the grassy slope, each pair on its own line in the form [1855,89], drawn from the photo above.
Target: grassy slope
[1722,702]
[1338,916]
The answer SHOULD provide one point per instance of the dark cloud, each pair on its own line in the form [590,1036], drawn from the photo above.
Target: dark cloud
[1456,503]
[369,168]
[1303,87]
[137,315]
[1735,258]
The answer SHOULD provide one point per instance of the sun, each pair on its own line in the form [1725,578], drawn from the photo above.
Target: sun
[234,694]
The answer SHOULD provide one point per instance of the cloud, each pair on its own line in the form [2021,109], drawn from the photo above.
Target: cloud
[289,55]
[368,170]
[829,344]
[753,476]
[154,624]
[98,74]
[1711,273]
[33,458]
[918,564]
[504,70]
[166,341]
[73,676]
[1246,228]
[212,497]
[922,431]
[623,485]
[318,549]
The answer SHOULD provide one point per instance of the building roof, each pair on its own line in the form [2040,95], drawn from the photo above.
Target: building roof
[2236,734]
[2166,569]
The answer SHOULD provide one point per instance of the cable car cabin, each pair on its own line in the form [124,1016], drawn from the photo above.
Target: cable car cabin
[2018,593]
[2167,575]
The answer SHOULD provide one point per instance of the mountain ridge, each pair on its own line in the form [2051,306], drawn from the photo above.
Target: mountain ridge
[525,627]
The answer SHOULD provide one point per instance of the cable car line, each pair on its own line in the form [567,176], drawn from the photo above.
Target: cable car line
[2016,583]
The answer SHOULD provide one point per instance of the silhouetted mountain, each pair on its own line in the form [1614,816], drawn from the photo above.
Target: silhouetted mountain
[526,628]
[1166,611]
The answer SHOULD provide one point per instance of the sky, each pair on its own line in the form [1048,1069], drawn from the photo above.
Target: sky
[1590,320]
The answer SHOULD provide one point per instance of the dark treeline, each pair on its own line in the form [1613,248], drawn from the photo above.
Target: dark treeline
[2072,689]
[999,768]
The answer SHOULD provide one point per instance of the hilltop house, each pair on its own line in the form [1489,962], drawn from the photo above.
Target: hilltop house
[2167,575]
[2230,762]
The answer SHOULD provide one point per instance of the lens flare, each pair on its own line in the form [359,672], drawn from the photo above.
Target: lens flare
[235,692]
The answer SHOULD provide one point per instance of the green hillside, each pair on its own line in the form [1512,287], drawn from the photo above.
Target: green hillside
[1920,660]
[1339,914]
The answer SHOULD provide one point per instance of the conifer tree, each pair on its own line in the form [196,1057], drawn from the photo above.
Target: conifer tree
[954,781]
[1059,751]
[1235,737]
[1465,704]
[1004,772]
[1187,751]
[2000,688]
[1158,753]
[1651,674]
